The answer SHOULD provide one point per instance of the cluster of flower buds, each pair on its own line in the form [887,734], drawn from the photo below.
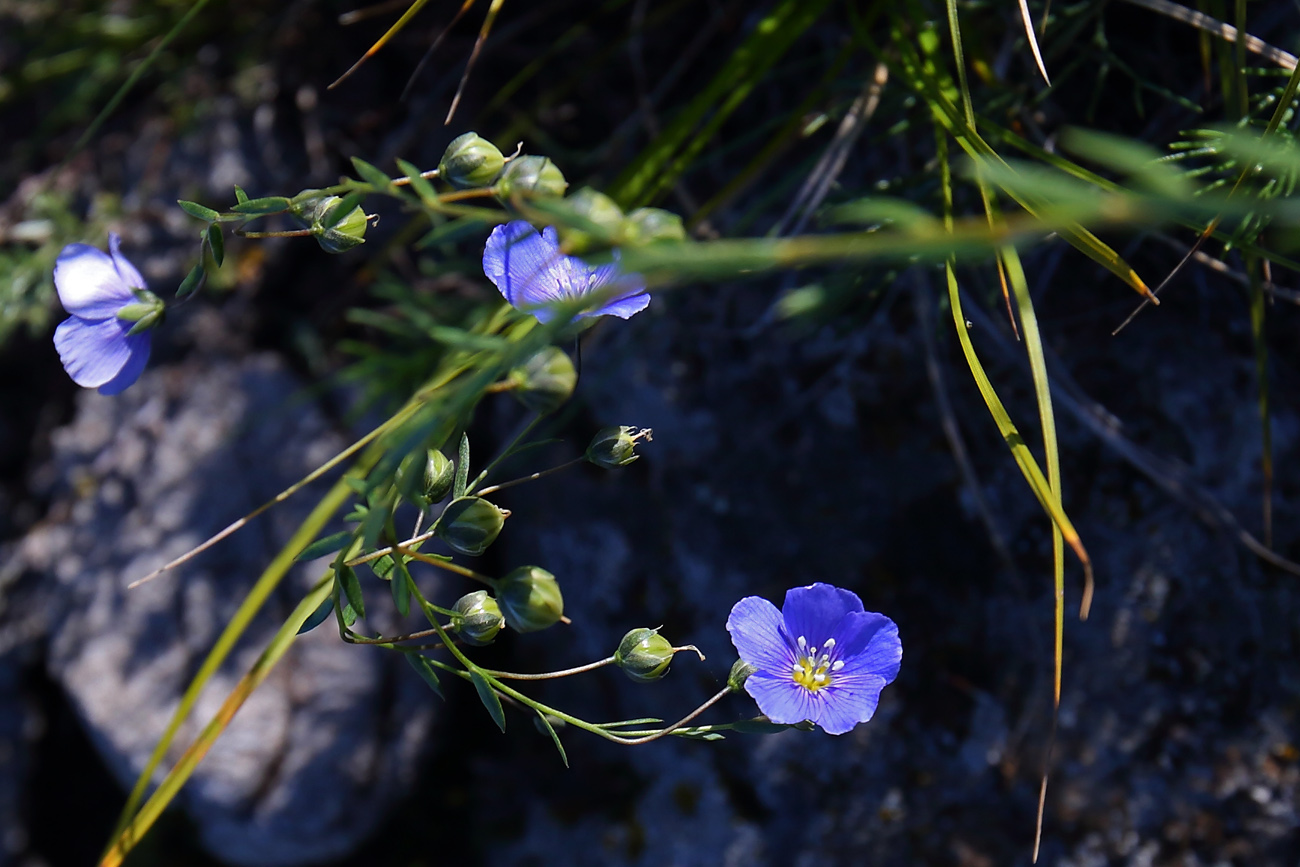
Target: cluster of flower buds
[588,219]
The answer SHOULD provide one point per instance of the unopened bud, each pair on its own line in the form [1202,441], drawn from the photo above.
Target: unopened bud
[345,233]
[478,618]
[647,225]
[740,673]
[597,208]
[469,525]
[439,473]
[545,381]
[530,598]
[644,655]
[614,447]
[470,161]
[529,175]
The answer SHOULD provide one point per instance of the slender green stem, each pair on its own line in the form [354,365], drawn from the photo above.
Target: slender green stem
[492,489]
[547,675]
[446,564]
[505,453]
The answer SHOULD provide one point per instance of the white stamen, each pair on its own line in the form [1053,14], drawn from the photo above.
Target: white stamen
[803,643]
[830,642]
[838,664]
[819,678]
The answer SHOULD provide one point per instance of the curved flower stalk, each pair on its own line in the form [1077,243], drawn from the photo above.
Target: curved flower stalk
[105,341]
[821,658]
[532,273]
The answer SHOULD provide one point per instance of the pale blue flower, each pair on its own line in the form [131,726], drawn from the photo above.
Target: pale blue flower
[532,273]
[821,658]
[93,343]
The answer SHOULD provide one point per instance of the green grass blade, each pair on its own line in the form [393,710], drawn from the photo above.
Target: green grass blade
[664,160]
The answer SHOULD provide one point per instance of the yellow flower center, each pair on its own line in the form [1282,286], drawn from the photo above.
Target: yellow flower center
[813,665]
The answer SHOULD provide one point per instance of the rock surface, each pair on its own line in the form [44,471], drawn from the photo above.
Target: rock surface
[318,753]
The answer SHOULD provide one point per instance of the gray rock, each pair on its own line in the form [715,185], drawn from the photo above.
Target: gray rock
[330,740]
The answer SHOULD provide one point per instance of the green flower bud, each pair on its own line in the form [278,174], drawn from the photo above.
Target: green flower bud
[545,381]
[530,599]
[439,473]
[343,235]
[644,655]
[469,525]
[535,176]
[597,208]
[478,618]
[740,673]
[614,447]
[470,161]
[647,225]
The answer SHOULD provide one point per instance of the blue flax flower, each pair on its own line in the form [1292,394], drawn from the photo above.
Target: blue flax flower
[532,273]
[821,658]
[93,343]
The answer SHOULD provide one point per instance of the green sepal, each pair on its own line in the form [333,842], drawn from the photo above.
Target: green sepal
[341,209]
[318,616]
[262,207]
[202,212]
[549,729]
[426,672]
[217,242]
[192,281]
[462,469]
[152,320]
[371,175]
[347,578]
[136,312]
[488,696]
[401,587]
[328,545]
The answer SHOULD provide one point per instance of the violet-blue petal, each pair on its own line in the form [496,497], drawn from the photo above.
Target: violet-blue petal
[814,611]
[628,299]
[781,699]
[89,283]
[93,352]
[755,627]
[868,642]
[138,346]
[133,278]
[523,264]
[847,702]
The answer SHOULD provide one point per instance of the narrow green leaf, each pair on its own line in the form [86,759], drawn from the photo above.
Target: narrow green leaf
[192,281]
[426,672]
[382,566]
[550,730]
[217,241]
[462,469]
[318,616]
[328,545]
[400,584]
[422,187]
[488,696]
[352,589]
[262,207]
[370,174]
[240,195]
[194,209]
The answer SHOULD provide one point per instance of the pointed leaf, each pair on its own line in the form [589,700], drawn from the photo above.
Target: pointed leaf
[217,242]
[555,738]
[462,469]
[427,672]
[192,281]
[401,587]
[318,616]
[422,187]
[329,545]
[488,696]
[240,195]
[263,206]
[352,589]
[371,175]
[194,209]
